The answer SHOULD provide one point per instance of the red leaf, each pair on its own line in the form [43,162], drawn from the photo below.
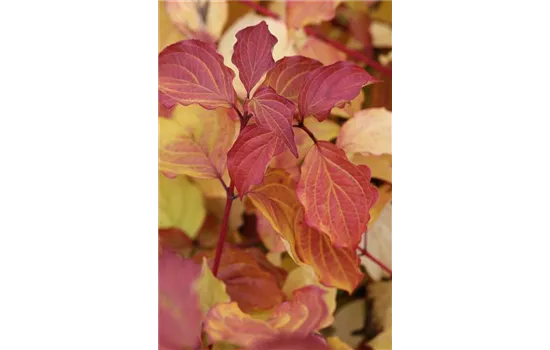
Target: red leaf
[260,257]
[191,71]
[275,113]
[244,276]
[250,154]
[336,194]
[176,240]
[179,313]
[289,74]
[252,53]
[331,86]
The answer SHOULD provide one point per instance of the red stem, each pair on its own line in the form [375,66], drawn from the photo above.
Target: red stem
[376,261]
[223,229]
[303,127]
[352,53]
[315,33]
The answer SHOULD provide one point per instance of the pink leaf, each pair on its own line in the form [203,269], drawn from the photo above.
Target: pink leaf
[252,54]
[250,154]
[289,74]
[275,113]
[191,71]
[179,313]
[330,86]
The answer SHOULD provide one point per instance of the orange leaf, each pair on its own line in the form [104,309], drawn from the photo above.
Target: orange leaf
[336,194]
[337,267]
[302,13]
[195,141]
[276,199]
[244,277]
[299,318]
[379,165]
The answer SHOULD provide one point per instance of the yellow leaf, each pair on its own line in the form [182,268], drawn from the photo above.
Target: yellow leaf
[224,346]
[168,33]
[198,16]
[323,131]
[288,263]
[382,12]
[381,34]
[275,258]
[350,316]
[195,141]
[304,276]
[282,48]
[368,133]
[350,108]
[336,343]
[180,205]
[210,289]
[381,293]
[279,7]
[380,166]
[357,6]
[382,341]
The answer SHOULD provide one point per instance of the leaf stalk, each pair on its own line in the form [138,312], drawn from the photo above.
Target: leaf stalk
[364,252]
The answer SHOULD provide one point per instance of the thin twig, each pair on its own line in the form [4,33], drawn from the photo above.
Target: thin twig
[303,127]
[319,35]
[226,188]
[241,117]
[352,53]
[376,261]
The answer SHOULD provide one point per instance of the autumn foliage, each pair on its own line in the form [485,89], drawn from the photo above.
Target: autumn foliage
[255,141]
